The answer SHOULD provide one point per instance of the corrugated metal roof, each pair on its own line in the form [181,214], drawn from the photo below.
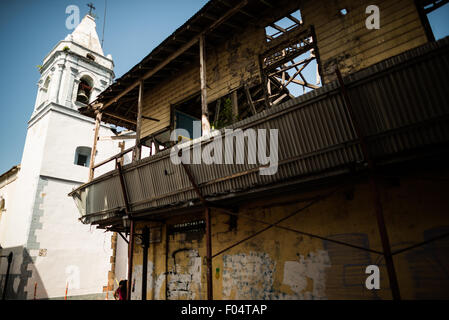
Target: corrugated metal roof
[401,105]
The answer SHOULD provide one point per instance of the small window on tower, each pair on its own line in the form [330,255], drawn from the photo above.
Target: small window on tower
[46,83]
[82,156]
[45,89]
[90,56]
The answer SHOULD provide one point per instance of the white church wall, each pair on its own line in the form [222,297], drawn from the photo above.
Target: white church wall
[51,247]
[65,135]
[66,251]
[22,201]
[121,265]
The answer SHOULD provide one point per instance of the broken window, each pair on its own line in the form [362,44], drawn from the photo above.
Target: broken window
[284,25]
[82,156]
[433,14]
[291,68]
[187,115]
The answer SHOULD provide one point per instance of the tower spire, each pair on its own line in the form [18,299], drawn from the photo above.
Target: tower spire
[85,34]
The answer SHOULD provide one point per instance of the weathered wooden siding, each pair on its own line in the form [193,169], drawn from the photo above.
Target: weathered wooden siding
[234,63]
[346,40]
[157,100]
[342,40]
[228,66]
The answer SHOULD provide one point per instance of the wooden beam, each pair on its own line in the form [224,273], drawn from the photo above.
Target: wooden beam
[121,145]
[274,25]
[136,154]
[112,115]
[235,106]
[176,54]
[250,100]
[205,125]
[217,110]
[94,147]
[279,99]
[108,138]
[294,19]
[115,157]
[266,3]
[150,118]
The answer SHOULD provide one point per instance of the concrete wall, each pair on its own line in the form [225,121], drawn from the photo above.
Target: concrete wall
[342,40]
[280,264]
[8,186]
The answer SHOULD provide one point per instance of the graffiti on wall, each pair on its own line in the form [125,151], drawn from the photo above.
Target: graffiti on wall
[184,280]
[136,289]
[248,275]
[251,276]
[335,272]
[307,276]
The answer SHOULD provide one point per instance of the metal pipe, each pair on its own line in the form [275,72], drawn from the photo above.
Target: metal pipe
[130,260]
[167,239]
[10,256]
[94,147]
[385,240]
[205,125]
[210,295]
[145,246]
[131,231]
[208,233]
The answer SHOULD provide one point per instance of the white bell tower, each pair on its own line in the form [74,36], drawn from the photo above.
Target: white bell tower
[75,71]
[52,249]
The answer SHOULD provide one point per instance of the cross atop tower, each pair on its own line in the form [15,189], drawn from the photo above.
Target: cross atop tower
[91,7]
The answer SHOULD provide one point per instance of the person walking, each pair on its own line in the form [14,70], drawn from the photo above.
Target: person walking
[120,293]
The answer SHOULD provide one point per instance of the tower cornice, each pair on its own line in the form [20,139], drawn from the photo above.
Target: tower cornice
[50,59]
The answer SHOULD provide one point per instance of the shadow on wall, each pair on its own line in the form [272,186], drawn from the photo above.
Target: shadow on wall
[24,282]
[428,266]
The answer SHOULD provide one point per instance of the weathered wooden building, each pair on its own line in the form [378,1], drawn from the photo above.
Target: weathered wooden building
[362,120]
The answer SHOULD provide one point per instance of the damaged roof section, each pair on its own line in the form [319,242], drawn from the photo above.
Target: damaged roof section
[218,19]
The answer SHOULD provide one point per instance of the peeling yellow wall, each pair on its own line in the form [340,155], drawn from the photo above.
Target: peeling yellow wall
[342,40]
[281,264]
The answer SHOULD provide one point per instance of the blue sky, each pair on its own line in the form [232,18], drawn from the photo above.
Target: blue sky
[29,29]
